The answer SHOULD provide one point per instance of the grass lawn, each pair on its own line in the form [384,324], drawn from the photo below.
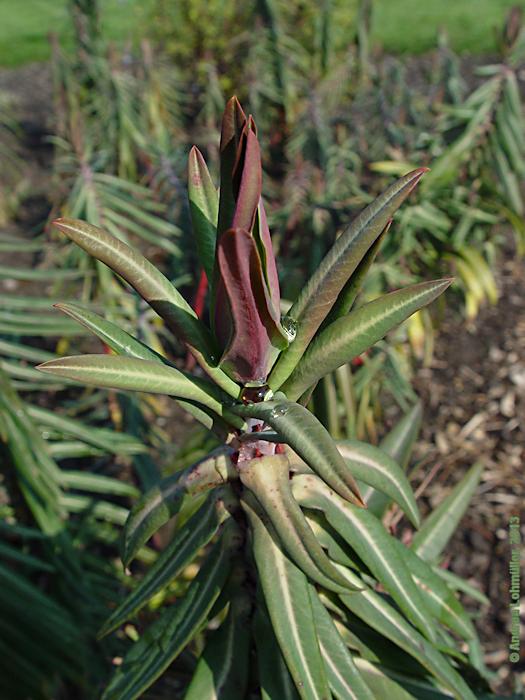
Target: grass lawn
[398,25]
[26,24]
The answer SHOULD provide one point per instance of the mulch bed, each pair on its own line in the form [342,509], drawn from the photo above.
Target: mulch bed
[474,394]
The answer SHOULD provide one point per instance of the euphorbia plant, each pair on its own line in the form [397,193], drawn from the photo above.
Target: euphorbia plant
[294,565]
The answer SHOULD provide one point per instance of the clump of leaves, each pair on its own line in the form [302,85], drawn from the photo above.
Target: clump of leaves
[295,566]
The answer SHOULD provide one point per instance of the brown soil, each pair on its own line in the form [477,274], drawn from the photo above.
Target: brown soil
[474,394]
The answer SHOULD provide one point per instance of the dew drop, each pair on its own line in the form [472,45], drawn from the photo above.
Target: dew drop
[290,327]
[254,394]
[279,412]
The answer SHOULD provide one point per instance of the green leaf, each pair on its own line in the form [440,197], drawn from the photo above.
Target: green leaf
[184,546]
[222,670]
[96,483]
[309,438]
[274,678]
[348,294]
[373,466]
[289,607]
[204,208]
[438,528]
[130,374]
[123,343]
[367,536]
[439,599]
[349,336]
[106,439]
[322,290]
[459,584]
[164,500]
[154,288]
[382,617]
[268,479]
[343,675]
[398,443]
[381,684]
[165,639]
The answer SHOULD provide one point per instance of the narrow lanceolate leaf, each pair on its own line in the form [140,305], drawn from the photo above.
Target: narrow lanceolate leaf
[246,324]
[439,598]
[222,671]
[343,675]
[368,538]
[309,438]
[349,336]
[459,584]
[382,685]
[186,543]
[165,639]
[123,343]
[153,287]
[348,294]
[204,208]
[275,680]
[439,527]
[322,290]
[375,467]
[109,333]
[376,612]
[130,374]
[398,444]
[289,607]
[268,478]
[163,501]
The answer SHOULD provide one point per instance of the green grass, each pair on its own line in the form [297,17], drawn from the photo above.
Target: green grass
[403,26]
[400,26]
[26,24]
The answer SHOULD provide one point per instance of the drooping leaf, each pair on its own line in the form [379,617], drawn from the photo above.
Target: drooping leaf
[367,536]
[274,677]
[441,524]
[182,549]
[381,684]
[349,336]
[222,670]
[289,607]
[268,479]
[459,584]
[322,290]
[309,438]
[163,501]
[382,617]
[439,598]
[204,208]
[166,638]
[343,675]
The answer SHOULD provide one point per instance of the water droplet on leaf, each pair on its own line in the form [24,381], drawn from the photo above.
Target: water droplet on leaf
[290,327]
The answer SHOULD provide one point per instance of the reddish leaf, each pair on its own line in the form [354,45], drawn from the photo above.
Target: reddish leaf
[244,323]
